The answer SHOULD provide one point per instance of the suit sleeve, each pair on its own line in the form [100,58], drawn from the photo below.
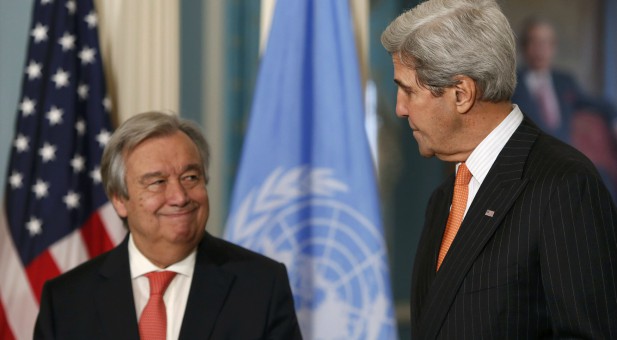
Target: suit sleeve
[282,320]
[578,259]
[44,327]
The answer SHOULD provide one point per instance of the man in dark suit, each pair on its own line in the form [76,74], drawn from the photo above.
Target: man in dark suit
[522,243]
[553,99]
[549,96]
[169,278]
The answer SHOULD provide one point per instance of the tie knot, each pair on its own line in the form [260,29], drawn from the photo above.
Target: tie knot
[159,281]
[463,175]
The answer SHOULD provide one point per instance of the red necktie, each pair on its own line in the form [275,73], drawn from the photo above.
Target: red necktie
[153,321]
[457,211]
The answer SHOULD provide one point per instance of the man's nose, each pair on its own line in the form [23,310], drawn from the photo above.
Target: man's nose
[176,193]
[401,110]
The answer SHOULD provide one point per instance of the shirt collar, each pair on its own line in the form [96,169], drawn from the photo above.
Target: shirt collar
[484,155]
[140,265]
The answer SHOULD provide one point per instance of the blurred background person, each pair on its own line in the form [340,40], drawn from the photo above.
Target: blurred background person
[553,99]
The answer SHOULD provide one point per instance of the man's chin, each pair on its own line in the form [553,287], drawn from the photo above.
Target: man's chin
[425,153]
[185,234]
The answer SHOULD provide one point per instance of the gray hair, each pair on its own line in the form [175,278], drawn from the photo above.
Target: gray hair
[136,130]
[442,39]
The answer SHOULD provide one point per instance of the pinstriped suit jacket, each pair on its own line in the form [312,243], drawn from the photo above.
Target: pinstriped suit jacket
[544,265]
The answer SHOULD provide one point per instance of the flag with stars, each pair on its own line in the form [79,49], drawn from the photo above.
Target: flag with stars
[55,214]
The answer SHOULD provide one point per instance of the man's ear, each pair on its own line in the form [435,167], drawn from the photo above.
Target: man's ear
[465,91]
[119,206]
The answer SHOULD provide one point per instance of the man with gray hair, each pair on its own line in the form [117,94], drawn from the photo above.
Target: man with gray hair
[169,278]
[522,241]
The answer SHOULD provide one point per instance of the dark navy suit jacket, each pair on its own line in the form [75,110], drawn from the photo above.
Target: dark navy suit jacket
[235,294]
[535,256]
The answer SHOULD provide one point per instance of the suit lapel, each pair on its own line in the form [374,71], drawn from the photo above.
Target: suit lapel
[526,98]
[428,247]
[426,255]
[209,289]
[115,302]
[440,219]
[501,187]
[561,90]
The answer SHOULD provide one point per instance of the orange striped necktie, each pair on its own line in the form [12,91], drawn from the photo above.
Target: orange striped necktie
[457,211]
[153,321]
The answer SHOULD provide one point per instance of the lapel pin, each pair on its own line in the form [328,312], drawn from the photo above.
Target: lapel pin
[489,213]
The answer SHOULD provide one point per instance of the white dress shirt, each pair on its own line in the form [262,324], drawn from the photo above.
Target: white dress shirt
[177,293]
[484,155]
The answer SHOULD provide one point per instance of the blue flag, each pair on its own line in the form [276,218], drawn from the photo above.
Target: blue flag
[306,193]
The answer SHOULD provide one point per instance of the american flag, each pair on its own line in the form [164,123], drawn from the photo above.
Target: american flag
[55,213]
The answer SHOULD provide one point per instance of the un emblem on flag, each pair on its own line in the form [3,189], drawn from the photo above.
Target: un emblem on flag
[335,256]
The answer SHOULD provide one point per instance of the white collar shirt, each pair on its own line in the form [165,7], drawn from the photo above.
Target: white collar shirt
[176,295]
[484,155]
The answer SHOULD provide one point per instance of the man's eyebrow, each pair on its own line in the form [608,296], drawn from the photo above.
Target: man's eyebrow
[147,176]
[401,84]
[158,174]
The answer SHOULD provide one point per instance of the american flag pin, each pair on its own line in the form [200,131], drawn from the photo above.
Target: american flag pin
[489,213]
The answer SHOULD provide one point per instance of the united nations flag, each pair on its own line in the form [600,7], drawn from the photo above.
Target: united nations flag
[306,193]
